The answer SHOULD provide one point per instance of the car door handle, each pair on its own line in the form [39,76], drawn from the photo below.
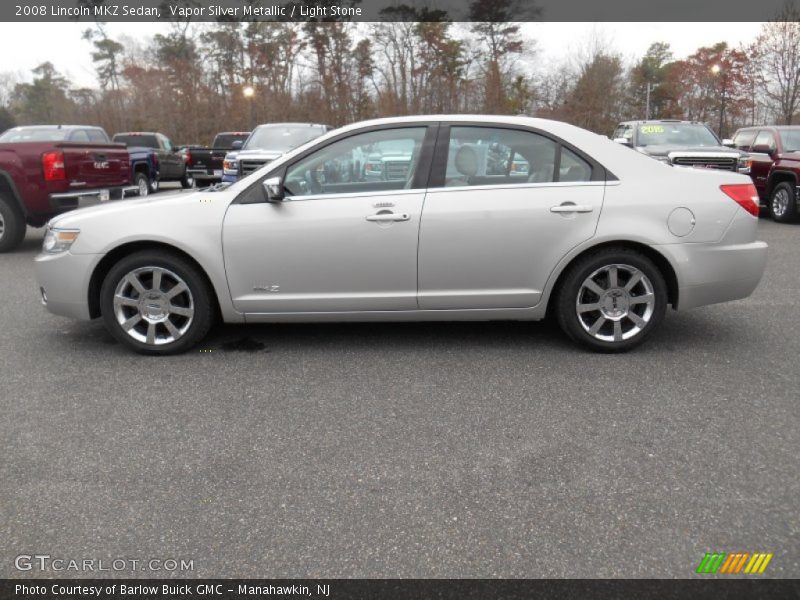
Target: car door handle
[571,208]
[384,217]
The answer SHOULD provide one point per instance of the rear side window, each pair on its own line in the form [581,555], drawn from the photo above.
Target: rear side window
[764,138]
[489,156]
[573,167]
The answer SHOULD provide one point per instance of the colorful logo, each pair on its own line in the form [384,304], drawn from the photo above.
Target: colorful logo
[733,563]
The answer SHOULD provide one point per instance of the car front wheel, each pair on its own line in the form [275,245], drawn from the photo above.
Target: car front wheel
[783,203]
[612,300]
[156,303]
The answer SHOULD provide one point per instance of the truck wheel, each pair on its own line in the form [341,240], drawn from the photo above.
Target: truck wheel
[187,181]
[612,300]
[142,185]
[12,226]
[783,203]
[156,302]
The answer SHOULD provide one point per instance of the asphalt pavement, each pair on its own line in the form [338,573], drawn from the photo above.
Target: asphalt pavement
[405,450]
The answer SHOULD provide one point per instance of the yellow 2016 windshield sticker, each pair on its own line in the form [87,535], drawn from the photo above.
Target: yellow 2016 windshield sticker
[652,129]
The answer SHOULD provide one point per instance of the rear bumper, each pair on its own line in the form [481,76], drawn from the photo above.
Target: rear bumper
[64,282]
[713,273]
[205,174]
[64,201]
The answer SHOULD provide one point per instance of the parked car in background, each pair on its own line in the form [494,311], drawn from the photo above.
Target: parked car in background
[205,164]
[144,170]
[49,169]
[265,144]
[775,152]
[283,245]
[169,163]
[681,143]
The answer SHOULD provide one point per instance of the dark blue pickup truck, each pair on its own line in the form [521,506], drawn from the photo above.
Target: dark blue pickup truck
[144,170]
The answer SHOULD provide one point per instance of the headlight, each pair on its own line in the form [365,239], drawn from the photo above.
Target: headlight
[59,240]
[230,165]
[745,164]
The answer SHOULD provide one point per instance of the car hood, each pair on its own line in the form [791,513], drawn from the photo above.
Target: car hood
[118,208]
[260,154]
[665,149]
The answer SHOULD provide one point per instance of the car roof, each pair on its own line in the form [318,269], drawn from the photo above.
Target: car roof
[641,121]
[775,127]
[291,125]
[47,127]
[135,133]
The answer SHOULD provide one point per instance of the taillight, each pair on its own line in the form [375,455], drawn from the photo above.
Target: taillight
[53,166]
[188,159]
[744,194]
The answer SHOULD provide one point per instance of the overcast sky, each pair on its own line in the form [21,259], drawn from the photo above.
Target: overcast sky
[22,47]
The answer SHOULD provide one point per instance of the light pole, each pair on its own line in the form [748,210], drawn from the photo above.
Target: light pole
[716,70]
[248,92]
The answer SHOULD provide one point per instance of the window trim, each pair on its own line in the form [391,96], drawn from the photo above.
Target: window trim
[421,176]
[439,165]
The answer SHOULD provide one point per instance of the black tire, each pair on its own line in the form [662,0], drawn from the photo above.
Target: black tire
[573,293]
[12,225]
[783,203]
[187,181]
[198,297]
[142,184]
[154,185]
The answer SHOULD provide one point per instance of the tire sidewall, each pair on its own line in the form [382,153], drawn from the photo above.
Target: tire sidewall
[139,177]
[568,292]
[791,209]
[200,290]
[13,226]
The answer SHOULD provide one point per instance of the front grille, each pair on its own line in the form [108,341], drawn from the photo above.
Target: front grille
[396,169]
[248,166]
[707,162]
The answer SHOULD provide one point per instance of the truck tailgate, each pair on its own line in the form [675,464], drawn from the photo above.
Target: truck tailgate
[96,165]
[207,158]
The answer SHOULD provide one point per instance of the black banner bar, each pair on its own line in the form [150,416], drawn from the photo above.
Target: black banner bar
[390,10]
[393,589]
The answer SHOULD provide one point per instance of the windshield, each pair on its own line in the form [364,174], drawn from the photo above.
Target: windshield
[675,134]
[280,138]
[791,140]
[133,140]
[33,134]
[225,140]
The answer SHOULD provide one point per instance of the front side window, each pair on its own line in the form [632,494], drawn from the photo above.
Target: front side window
[493,156]
[764,139]
[744,139]
[375,161]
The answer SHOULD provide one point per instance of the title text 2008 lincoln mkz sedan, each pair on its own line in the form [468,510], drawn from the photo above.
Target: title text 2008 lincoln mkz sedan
[411,219]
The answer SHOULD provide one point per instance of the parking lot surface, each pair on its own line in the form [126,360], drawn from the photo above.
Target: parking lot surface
[406,450]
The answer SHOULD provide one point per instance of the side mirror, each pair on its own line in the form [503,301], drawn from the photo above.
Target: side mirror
[623,141]
[237,145]
[273,189]
[763,149]
[728,142]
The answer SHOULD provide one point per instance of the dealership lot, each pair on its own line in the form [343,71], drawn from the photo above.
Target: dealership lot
[406,450]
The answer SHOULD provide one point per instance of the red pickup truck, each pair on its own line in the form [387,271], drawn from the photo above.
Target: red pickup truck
[49,169]
[775,170]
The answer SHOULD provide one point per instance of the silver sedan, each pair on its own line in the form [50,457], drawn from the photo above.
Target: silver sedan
[415,219]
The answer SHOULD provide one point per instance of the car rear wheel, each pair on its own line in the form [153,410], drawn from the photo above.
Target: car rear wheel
[142,184]
[187,181]
[156,303]
[12,226]
[783,203]
[612,300]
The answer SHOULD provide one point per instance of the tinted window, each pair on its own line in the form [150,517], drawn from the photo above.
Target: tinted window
[764,138]
[744,139]
[225,140]
[369,162]
[675,134]
[573,167]
[282,138]
[132,140]
[97,135]
[33,134]
[488,156]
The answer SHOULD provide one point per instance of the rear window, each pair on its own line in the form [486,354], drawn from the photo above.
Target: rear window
[33,134]
[225,140]
[132,140]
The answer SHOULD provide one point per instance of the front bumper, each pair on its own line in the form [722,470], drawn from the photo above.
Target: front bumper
[63,280]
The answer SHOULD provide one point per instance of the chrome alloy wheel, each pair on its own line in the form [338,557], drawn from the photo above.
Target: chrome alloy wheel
[144,186]
[153,305]
[615,303]
[780,202]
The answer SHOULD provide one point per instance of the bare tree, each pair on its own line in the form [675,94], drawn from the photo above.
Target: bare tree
[778,53]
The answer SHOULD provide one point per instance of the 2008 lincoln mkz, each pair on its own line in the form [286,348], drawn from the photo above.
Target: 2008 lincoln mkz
[412,219]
